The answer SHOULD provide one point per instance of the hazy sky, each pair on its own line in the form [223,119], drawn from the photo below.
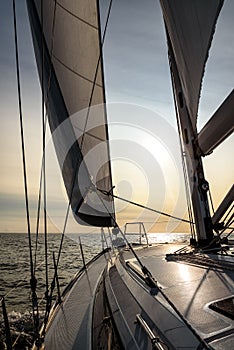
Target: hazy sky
[137,73]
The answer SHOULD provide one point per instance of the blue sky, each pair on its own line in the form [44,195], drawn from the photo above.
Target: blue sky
[137,73]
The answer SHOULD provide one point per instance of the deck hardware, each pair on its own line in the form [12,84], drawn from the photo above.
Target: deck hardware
[155,341]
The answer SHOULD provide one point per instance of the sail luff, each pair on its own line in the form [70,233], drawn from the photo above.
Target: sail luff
[68,83]
[194,167]
[191,26]
[101,42]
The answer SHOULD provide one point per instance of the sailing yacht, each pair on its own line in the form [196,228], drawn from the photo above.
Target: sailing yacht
[158,296]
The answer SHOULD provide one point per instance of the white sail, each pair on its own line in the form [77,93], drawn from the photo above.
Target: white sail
[184,20]
[190,26]
[73,83]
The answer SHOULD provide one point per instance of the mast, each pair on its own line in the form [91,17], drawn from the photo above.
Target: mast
[190,26]
[198,185]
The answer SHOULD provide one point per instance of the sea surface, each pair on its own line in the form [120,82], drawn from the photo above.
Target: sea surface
[15,273]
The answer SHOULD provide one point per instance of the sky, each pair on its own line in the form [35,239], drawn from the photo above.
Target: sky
[143,138]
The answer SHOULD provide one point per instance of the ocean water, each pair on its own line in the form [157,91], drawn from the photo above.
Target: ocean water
[15,273]
[15,276]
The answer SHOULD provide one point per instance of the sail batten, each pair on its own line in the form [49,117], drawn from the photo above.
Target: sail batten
[74,89]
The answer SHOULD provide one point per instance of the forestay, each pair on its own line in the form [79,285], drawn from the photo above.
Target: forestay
[73,83]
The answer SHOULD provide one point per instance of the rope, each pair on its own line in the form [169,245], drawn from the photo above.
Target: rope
[144,207]
[33,281]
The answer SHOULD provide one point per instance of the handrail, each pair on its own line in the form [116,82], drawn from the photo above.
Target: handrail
[141,234]
[155,341]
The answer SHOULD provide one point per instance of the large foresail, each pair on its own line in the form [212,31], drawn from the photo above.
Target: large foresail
[66,36]
[190,27]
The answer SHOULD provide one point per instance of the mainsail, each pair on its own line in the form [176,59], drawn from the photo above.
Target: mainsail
[66,37]
[190,27]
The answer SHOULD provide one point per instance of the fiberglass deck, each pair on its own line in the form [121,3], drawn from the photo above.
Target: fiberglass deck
[72,324]
[192,288]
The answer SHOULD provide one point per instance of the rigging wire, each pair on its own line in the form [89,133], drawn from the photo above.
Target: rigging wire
[43,169]
[33,281]
[38,221]
[143,206]
[38,213]
[183,156]
[43,148]
[148,276]
[48,293]
[46,116]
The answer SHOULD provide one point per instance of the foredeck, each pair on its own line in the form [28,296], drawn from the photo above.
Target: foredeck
[178,313]
[192,287]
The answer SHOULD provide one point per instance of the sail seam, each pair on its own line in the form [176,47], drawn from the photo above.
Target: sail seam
[89,134]
[79,18]
[73,71]
[99,62]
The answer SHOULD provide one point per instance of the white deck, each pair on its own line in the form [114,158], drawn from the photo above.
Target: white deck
[191,288]
[72,324]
